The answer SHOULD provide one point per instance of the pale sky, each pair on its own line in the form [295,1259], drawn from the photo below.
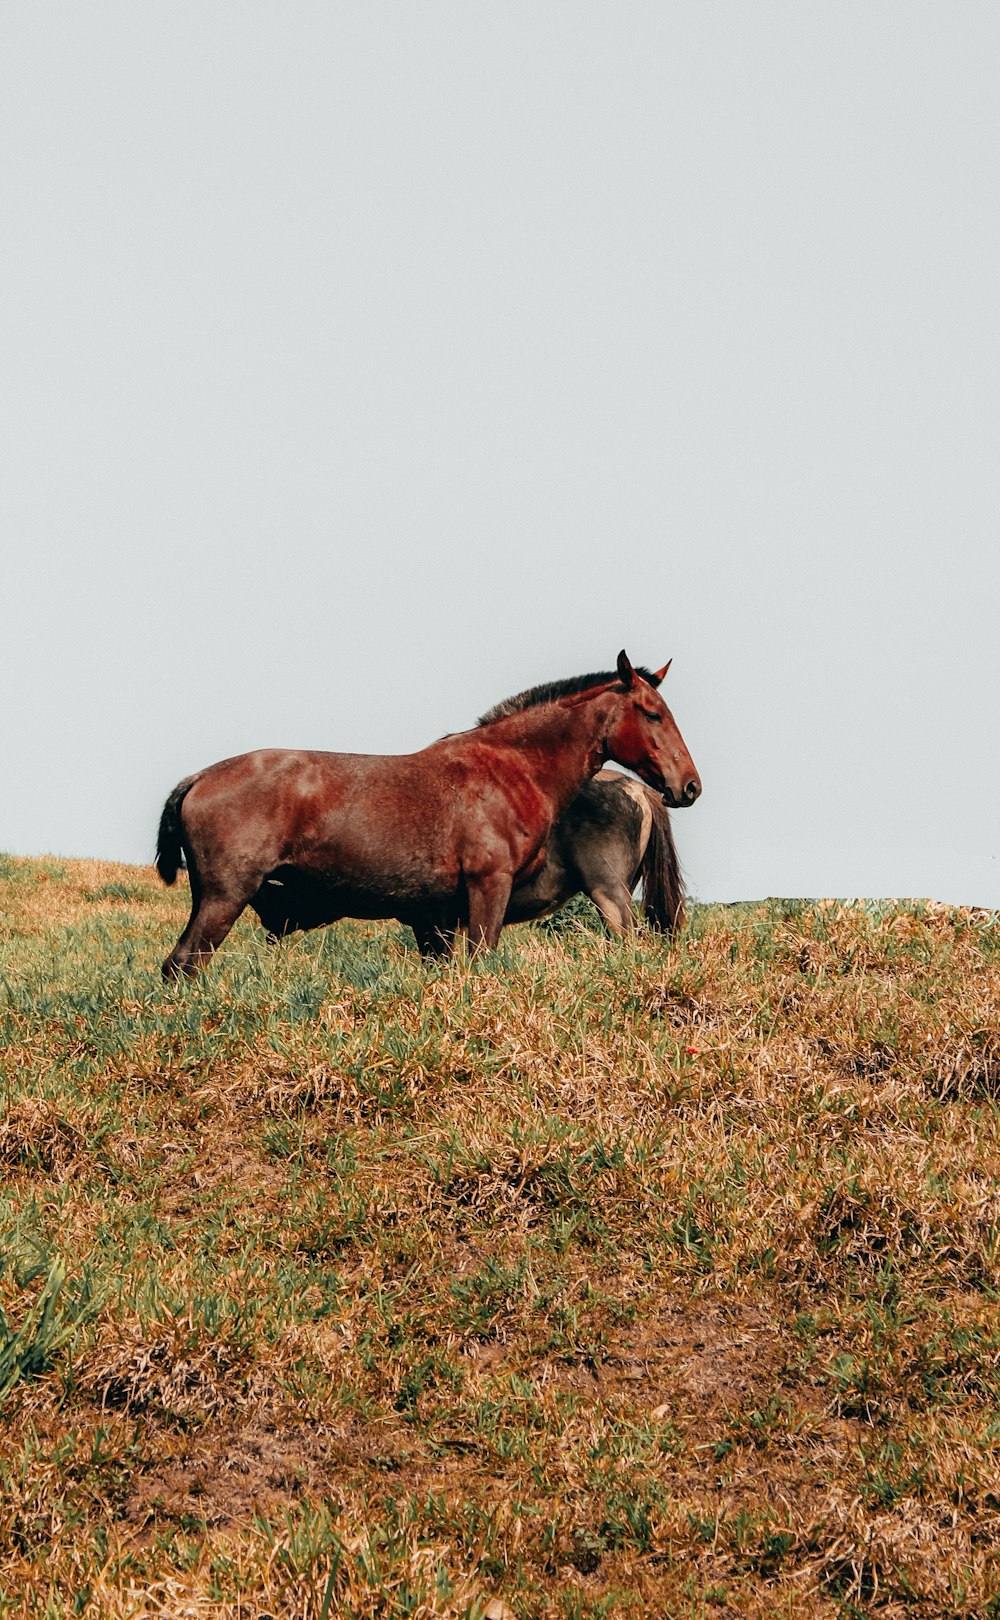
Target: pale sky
[361,364]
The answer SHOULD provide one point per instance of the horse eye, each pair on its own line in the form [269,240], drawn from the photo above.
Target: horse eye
[657,719]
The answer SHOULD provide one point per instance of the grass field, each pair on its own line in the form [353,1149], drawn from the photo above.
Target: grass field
[605,1279]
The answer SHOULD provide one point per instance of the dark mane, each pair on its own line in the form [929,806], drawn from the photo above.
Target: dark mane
[548,691]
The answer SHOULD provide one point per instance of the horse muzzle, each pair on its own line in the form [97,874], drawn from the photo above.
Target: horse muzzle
[690,791]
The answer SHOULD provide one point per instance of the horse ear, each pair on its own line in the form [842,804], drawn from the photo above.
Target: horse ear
[657,676]
[626,674]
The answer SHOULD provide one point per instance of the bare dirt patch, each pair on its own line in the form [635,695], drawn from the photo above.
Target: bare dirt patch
[702,1357]
[226,1477]
[263,1465]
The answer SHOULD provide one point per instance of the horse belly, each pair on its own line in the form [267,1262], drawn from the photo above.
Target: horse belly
[369,868]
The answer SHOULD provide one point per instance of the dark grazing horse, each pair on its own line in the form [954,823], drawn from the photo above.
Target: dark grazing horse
[436,838]
[615,832]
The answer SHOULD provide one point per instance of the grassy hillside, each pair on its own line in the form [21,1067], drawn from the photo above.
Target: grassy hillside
[607,1279]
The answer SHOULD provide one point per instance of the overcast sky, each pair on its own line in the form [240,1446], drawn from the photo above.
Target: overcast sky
[364,363]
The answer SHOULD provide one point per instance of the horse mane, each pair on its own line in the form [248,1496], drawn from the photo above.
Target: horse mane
[549,691]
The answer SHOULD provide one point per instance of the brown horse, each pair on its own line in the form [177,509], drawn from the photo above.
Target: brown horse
[615,832]
[432,838]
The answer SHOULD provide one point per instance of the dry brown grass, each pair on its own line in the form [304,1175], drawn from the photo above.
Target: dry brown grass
[607,1279]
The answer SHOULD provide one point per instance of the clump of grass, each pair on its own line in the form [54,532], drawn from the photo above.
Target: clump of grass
[34,1132]
[174,1370]
[32,1347]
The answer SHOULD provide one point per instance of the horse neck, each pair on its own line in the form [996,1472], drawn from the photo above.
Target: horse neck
[565,741]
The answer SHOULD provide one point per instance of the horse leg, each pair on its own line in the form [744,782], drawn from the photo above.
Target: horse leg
[615,904]
[212,916]
[434,932]
[488,897]
[433,940]
[180,951]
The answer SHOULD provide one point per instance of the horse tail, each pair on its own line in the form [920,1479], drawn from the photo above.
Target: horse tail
[663,894]
[169,844]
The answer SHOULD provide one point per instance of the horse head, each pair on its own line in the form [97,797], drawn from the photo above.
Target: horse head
[643,735]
